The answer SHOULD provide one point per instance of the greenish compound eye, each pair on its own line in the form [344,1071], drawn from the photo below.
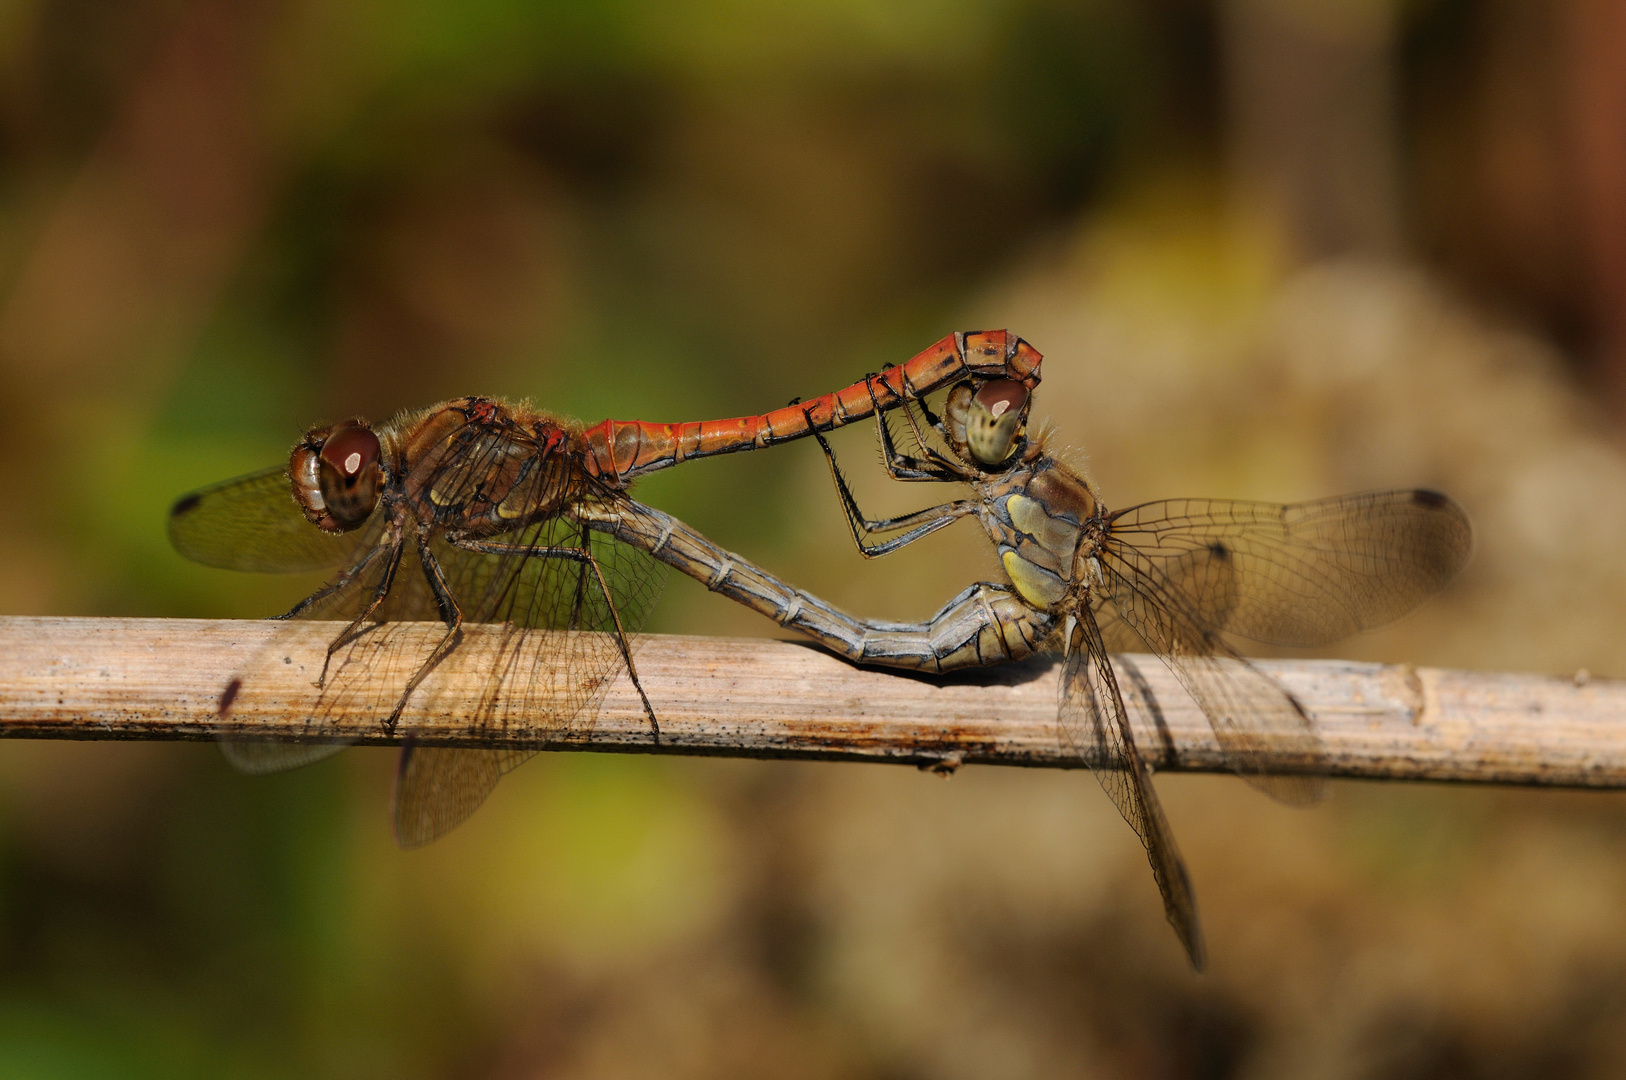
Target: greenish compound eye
[994,421]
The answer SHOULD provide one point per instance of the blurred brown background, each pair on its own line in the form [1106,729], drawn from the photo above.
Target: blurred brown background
[1270,248]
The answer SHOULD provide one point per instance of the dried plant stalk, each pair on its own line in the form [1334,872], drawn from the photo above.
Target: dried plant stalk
[163,679]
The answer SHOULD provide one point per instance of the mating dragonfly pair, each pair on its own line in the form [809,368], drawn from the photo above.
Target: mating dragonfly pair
[479,511]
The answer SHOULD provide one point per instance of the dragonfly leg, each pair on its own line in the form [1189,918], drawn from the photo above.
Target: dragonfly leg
[898,466]
[911,399]
[350,633]
[450,614]
[585,556]
[932,466]
[920,523]
[337,585]
[580,603]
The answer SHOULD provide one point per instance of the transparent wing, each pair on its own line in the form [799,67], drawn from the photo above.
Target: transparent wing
[252,523]
[553,679]
[543,636]
[258,756]
[1263,730]
[1096,726]
[1183,574]
[1116,634]
[437,788]
[1301,574]
[351,677]
[539,651]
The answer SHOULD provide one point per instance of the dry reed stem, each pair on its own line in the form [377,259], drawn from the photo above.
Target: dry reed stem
[163,679]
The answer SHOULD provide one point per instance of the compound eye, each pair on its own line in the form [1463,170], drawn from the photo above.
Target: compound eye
[337,476]
[351,452]
[993,423]
[1002,396]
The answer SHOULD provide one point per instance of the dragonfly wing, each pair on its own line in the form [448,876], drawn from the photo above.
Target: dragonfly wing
[1262,729]
[552,681]
[1116,634]
[1301,574]
[438,787]
[548,575]
[252,523]
[259,756]
[300,644]
[1096,726]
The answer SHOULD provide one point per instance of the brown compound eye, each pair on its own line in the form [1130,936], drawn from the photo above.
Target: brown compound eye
[993,421]
[337,476]
[351,452]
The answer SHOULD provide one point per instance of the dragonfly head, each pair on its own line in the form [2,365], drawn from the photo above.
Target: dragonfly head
[987,422]
[337,475]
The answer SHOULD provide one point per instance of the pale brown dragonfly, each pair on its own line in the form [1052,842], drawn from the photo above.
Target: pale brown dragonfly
[1180,578]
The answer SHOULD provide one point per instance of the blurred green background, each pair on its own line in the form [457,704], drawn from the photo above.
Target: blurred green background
[1270,248]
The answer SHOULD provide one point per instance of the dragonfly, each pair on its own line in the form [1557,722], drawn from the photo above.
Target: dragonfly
[483,511]
[1175,578]
[1181,578]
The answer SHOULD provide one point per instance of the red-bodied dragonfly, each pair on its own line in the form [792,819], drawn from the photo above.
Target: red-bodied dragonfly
[1178,578]
[484,511]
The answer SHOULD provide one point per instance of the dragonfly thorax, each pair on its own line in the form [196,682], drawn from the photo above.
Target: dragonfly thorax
[1041,517]
[481,467]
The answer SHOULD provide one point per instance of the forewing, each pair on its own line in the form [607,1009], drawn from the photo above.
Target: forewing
[1096,726]
[252,523]
[1301,574]
[363,676]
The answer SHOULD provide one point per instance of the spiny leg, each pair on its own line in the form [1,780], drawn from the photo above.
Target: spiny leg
[450,614]
[920,523]
[898,466]
[579,555]
[350,633]
[911,396]
[910,393]
[581,583]
[337,585]
[930,466]
[626,646]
